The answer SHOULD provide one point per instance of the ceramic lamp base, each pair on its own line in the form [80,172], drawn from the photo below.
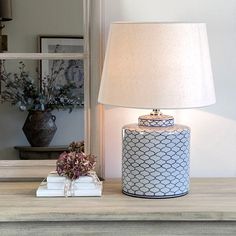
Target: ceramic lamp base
[155,158]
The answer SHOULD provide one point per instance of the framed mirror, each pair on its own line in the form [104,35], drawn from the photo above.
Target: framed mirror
[48,19]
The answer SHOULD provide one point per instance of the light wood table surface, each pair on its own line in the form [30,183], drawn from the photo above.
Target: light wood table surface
[209,209]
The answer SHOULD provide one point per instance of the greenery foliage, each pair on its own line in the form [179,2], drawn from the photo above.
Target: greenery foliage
[21,90]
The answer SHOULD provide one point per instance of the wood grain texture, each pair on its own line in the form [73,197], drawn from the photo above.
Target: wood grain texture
[209,200]
[120,228]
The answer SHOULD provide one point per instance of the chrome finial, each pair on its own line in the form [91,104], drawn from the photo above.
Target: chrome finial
[156,112]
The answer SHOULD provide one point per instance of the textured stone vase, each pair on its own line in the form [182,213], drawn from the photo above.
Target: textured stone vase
[40,128]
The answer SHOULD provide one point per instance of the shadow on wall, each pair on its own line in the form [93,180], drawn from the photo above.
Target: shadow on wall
[225,97]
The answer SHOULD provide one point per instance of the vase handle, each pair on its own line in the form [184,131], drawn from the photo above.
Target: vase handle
[29,117]
[54,118]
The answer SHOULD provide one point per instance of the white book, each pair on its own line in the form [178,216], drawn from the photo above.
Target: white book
[43,191]
[80,185]
[55,178]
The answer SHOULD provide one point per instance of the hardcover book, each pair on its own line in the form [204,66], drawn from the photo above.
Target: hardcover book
[43,191]
[55,178]
[59,186]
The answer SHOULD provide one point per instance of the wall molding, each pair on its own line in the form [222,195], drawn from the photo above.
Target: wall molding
[96,60]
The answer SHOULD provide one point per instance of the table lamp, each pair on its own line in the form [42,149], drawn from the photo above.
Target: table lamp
[156,66]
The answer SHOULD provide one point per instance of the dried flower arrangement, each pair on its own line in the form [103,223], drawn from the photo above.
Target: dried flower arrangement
[22,90]
[74,163]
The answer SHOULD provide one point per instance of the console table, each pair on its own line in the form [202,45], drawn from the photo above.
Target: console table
[209,209]
[40,153]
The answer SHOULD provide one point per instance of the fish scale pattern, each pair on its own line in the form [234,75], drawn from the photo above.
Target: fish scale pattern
[156,123]
[155,164]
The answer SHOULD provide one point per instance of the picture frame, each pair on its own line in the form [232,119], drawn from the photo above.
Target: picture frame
[73,70]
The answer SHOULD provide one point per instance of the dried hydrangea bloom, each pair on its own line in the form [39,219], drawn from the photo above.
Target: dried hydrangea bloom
[76,146]
[75,164]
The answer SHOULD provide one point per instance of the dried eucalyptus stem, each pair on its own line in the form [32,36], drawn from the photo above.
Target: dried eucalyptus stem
[22,90]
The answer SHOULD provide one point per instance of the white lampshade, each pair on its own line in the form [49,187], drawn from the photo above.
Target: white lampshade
[157,65]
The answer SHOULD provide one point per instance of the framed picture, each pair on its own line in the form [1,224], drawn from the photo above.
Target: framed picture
[63,72]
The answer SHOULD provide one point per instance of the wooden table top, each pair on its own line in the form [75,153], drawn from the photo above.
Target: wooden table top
[209,200]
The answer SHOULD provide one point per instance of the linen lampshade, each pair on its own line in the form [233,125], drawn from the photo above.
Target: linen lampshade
[157,65]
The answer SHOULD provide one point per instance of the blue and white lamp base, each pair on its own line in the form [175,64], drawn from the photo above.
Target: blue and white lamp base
[155,158]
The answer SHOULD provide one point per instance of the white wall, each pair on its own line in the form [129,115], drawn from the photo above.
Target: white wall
[213,144]
[32,18]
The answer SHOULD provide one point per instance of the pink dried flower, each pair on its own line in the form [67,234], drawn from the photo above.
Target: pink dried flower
[75,164]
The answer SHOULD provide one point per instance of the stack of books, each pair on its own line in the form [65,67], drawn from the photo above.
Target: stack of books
[59,186]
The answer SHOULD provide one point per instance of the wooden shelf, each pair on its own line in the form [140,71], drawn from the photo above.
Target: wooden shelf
[40,153]
[43,56]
